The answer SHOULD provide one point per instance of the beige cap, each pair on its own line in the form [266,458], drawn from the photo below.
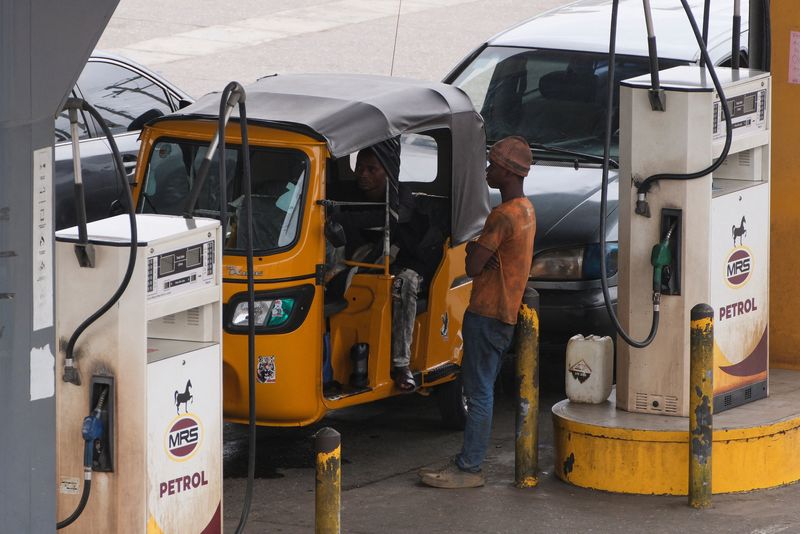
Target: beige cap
[512,154]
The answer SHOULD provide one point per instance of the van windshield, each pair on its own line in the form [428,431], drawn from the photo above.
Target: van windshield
[552,97]
[278,177]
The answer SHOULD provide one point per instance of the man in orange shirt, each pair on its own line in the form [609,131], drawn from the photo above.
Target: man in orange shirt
[499,262]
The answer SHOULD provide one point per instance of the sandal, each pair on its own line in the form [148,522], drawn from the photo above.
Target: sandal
[403,379]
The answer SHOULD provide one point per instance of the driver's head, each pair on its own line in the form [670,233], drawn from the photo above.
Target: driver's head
[371,176]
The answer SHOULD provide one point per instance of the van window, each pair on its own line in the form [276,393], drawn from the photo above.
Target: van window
[278,185]
[552,97]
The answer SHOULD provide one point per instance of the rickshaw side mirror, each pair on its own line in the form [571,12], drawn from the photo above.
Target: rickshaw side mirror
[334,233]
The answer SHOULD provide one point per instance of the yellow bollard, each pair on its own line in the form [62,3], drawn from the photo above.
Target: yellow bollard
[526,348]
[701,405]
[329,481]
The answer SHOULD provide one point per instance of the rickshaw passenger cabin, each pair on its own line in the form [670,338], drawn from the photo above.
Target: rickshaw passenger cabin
[304,132]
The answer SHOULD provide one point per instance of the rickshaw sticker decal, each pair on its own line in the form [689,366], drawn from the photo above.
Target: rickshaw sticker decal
[445,325]
[265,372]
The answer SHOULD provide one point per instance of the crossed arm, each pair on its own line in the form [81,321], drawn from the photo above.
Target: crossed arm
[480,258]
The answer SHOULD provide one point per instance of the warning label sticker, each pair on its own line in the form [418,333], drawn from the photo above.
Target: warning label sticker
[70,485]
[581,371]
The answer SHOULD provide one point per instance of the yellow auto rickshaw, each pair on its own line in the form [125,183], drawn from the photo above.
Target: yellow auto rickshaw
[303,133]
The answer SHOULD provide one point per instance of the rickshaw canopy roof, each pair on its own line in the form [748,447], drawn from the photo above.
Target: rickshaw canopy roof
[350,112]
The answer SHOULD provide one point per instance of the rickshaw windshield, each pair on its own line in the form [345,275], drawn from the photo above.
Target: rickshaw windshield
[278,184]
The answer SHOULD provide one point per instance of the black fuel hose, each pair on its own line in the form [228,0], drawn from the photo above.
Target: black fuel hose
[612,47]
[232,94]
[251,325]
[643,187]
[70,371]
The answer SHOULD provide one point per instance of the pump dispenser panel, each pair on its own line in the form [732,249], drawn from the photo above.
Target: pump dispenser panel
[159,463]
[720,247]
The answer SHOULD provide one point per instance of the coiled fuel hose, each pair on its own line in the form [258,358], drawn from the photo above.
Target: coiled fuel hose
[232,95]
[70,371]
[661,255]
[92,425]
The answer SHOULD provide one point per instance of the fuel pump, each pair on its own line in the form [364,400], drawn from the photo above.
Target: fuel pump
[151,348]
[717,221]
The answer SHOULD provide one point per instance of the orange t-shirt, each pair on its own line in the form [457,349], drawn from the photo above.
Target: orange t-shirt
[509,232]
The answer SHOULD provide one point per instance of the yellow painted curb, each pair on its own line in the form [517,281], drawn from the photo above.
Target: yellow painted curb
[646,461]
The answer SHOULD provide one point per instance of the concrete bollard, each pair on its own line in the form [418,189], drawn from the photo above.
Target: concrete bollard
[701,405]
[526,348]
[328,491]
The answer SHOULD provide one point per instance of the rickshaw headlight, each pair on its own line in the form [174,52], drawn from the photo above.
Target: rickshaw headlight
[274,312]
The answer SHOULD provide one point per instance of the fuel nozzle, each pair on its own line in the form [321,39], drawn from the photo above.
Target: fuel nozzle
[661,257]
[92,429]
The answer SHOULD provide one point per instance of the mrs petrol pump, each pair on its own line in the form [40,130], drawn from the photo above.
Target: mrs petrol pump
[716,228]
[150,371]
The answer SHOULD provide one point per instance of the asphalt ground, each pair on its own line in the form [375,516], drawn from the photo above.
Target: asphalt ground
[201,45]
[384,444]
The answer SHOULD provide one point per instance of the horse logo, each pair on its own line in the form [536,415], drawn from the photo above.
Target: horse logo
[184,398]
[739,231]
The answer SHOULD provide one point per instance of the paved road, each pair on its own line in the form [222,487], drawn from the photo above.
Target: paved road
[201,45]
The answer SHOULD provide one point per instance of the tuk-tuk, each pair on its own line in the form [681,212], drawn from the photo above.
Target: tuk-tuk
[316,351]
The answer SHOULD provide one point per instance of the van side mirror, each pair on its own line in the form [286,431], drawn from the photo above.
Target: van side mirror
[334,233]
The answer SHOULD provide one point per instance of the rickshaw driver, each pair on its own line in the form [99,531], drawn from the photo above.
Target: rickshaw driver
[499,262]
[378,167]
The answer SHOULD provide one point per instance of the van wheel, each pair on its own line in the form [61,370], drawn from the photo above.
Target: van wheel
[452,404]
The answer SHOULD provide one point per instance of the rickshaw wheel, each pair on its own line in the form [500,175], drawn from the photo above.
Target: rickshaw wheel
[452,404]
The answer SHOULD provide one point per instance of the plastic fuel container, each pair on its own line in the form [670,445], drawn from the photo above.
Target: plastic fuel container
[589,368]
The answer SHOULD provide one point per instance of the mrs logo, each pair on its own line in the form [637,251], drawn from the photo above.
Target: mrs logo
[738,267]
[183,438]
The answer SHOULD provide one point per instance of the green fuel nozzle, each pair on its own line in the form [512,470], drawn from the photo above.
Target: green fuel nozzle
[660,257]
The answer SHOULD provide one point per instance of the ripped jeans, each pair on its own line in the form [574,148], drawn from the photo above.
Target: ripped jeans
[404,314]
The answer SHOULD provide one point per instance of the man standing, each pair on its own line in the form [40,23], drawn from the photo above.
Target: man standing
[499,262]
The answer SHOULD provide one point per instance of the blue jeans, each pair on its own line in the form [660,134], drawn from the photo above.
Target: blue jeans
[485,342]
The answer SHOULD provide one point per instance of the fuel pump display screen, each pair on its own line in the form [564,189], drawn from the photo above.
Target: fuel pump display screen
[180,269]
[749,103]
[194,257]
[166,265]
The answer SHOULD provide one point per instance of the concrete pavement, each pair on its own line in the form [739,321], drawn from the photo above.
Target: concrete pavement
[201,45]
[383,445]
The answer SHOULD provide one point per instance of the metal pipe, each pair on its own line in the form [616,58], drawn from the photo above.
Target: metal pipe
[188,211]
[328,491]
[657,95]
[526,347]
[737,34]
[706,23]
[701,406]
